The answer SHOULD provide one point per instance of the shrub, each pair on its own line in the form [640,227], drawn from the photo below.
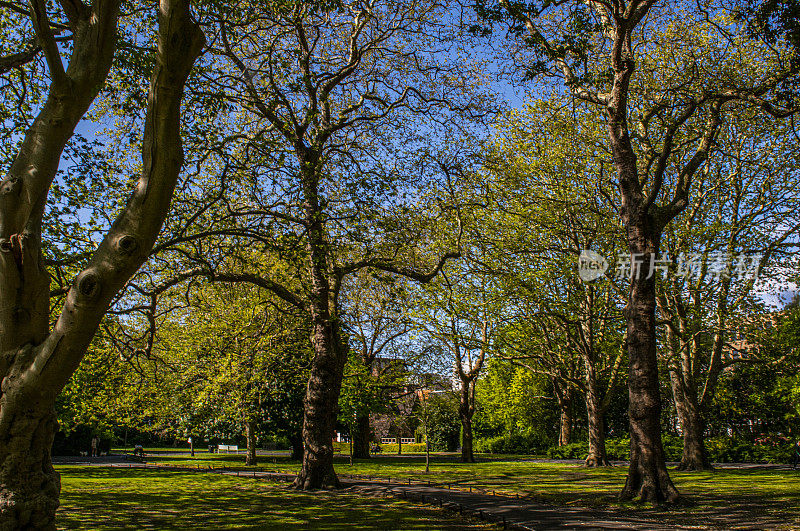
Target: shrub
[511,444]
[576,450]
[770,449]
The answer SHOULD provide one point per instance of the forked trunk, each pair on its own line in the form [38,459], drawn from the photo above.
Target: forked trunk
[361,438]
[250,431]
[648,479]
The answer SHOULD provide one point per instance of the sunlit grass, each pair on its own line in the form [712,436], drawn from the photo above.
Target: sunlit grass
[120,498]
[746,494]
[761,496]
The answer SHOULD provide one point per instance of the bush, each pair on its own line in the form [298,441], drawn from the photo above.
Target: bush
[577,450]
[720,449]
[737,450]
[511,444]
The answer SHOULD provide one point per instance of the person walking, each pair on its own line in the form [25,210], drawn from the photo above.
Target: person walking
[796,454]
[95,446]
[191,445]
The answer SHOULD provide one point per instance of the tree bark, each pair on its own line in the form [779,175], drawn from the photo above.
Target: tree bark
[30,485]
[692,426]
[466,409]
[564,395]
[648,479]
[361,436]
[250,431]
[321,403]
[596,424]
[565,427]
[35,362]
[327,368]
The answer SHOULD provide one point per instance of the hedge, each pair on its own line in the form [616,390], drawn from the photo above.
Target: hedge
[720,450]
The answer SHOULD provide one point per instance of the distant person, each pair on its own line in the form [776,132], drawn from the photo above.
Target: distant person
[796,454]
[138,450]
[95,446]
[191,446]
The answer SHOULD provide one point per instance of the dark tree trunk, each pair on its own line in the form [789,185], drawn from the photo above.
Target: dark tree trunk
[596,424]
[325,381]
[564,396]
[297,446]
[466,409]
[321,403]
[250,432]
[648,479]
[565,427]
[361,436]
[692,426]
[30,484]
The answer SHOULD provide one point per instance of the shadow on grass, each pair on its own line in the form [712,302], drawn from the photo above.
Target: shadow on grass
[114,498]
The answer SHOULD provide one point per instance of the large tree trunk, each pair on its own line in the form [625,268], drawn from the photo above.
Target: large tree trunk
[325,381]
[648,479]
[30,485]
[250,431]
[361,436]
[597,436]
[692,426]
[321,403]
[36,363]
[466,409]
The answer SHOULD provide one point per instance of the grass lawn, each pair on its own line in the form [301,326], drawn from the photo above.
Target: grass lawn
[115,498]
[726,495]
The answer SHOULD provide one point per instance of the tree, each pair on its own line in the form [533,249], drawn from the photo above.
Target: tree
[546,210]
[238,341]
[325,168]
[725,239]
[37,359]
[659,136]
[460,316]
[376,320]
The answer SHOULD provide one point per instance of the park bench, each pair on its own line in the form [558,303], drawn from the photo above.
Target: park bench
[227,448]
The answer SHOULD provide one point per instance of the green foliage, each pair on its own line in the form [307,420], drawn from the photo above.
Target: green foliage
[440,412]
[720,449]
[513,444]
[515,411]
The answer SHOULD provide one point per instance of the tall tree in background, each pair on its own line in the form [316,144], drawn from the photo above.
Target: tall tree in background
[376,320]
[546,206]
[37,359]
[325,167]
[742,217]
[660,128]
[460,314]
